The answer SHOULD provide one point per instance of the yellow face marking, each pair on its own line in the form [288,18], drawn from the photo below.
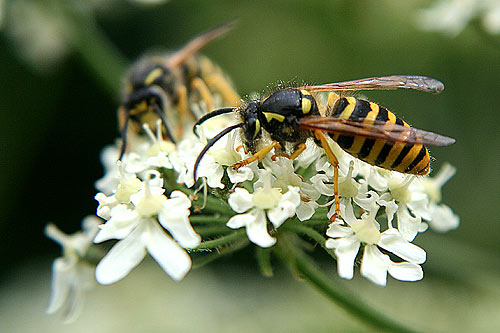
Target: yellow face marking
[257,128]
[152,76]
[270,116]
[306,105]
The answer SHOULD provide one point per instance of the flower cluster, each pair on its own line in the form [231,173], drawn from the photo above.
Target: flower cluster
[151,205]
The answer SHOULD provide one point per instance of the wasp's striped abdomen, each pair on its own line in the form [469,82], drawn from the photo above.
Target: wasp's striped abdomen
[397,156]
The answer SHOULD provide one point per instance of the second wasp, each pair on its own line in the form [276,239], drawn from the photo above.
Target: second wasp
[156,84]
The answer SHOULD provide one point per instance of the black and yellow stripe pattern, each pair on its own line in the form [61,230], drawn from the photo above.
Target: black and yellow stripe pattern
[397,156]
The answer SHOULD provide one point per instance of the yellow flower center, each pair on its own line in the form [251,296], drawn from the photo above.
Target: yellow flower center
[266,198]
[366,231]
[126,188]
[150,205]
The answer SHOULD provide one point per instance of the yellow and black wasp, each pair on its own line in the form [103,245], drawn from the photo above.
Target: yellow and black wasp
[158,83]
[364,129]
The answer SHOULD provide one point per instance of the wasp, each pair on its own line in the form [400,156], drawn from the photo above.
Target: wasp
[157,83]
[364,129]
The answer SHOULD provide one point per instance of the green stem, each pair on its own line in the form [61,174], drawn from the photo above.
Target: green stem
[217,205]
[202,219]
[264,261]
[215,243]
[298,261]
[311,233]
[212,230]
[208,258]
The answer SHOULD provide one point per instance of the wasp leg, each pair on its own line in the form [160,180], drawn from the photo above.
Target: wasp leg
[335,163]
[298,150]
[205,94]
[223,87]
[183,109]
[258,155]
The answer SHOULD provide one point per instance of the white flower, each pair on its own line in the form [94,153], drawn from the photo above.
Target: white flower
[266,199]
[452,16]
[309,155]
[183,160]
[108,183]
[282,168]
[225,153]
[346,242]
[72,275]
[139,232]
[128,184]
[152,154]
[441,217]
[407,200]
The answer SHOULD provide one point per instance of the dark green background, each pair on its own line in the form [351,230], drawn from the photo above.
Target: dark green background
[54,125]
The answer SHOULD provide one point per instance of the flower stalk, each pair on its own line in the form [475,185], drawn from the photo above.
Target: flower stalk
[299,262]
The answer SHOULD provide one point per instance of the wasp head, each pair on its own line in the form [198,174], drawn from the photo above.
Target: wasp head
[251,124]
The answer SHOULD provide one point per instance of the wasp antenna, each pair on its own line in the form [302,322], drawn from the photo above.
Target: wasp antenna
[124,138]
[199,42]
[209,145]
[161,114]
[212,114]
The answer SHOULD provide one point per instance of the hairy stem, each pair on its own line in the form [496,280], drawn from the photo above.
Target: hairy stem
[222,241]
[298,261]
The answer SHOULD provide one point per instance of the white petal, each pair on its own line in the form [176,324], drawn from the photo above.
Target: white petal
[367,202]
[212,171]
[178,201]
[240,200]
[62,271]
[119,226]
[168,254]
[242,174]
[286,207]
[346,250]
[337,230]
[240,220]
[393,241]
[318,181]
[406,271]
[180,228]
[443,218]
[376,179]
[122,258]
[419,205]
[309,155]
[346,211]
[306,210]
[374,265]
[390,207]
[257,230]
[408,225]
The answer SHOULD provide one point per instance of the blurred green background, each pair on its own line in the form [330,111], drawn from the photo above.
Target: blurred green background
[57,112]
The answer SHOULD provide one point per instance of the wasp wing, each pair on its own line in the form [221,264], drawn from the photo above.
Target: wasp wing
[374,130]
[392,82]
[197,43]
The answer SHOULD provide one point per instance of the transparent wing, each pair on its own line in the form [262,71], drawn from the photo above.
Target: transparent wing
[197,43]
[392,82]
[374,130]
